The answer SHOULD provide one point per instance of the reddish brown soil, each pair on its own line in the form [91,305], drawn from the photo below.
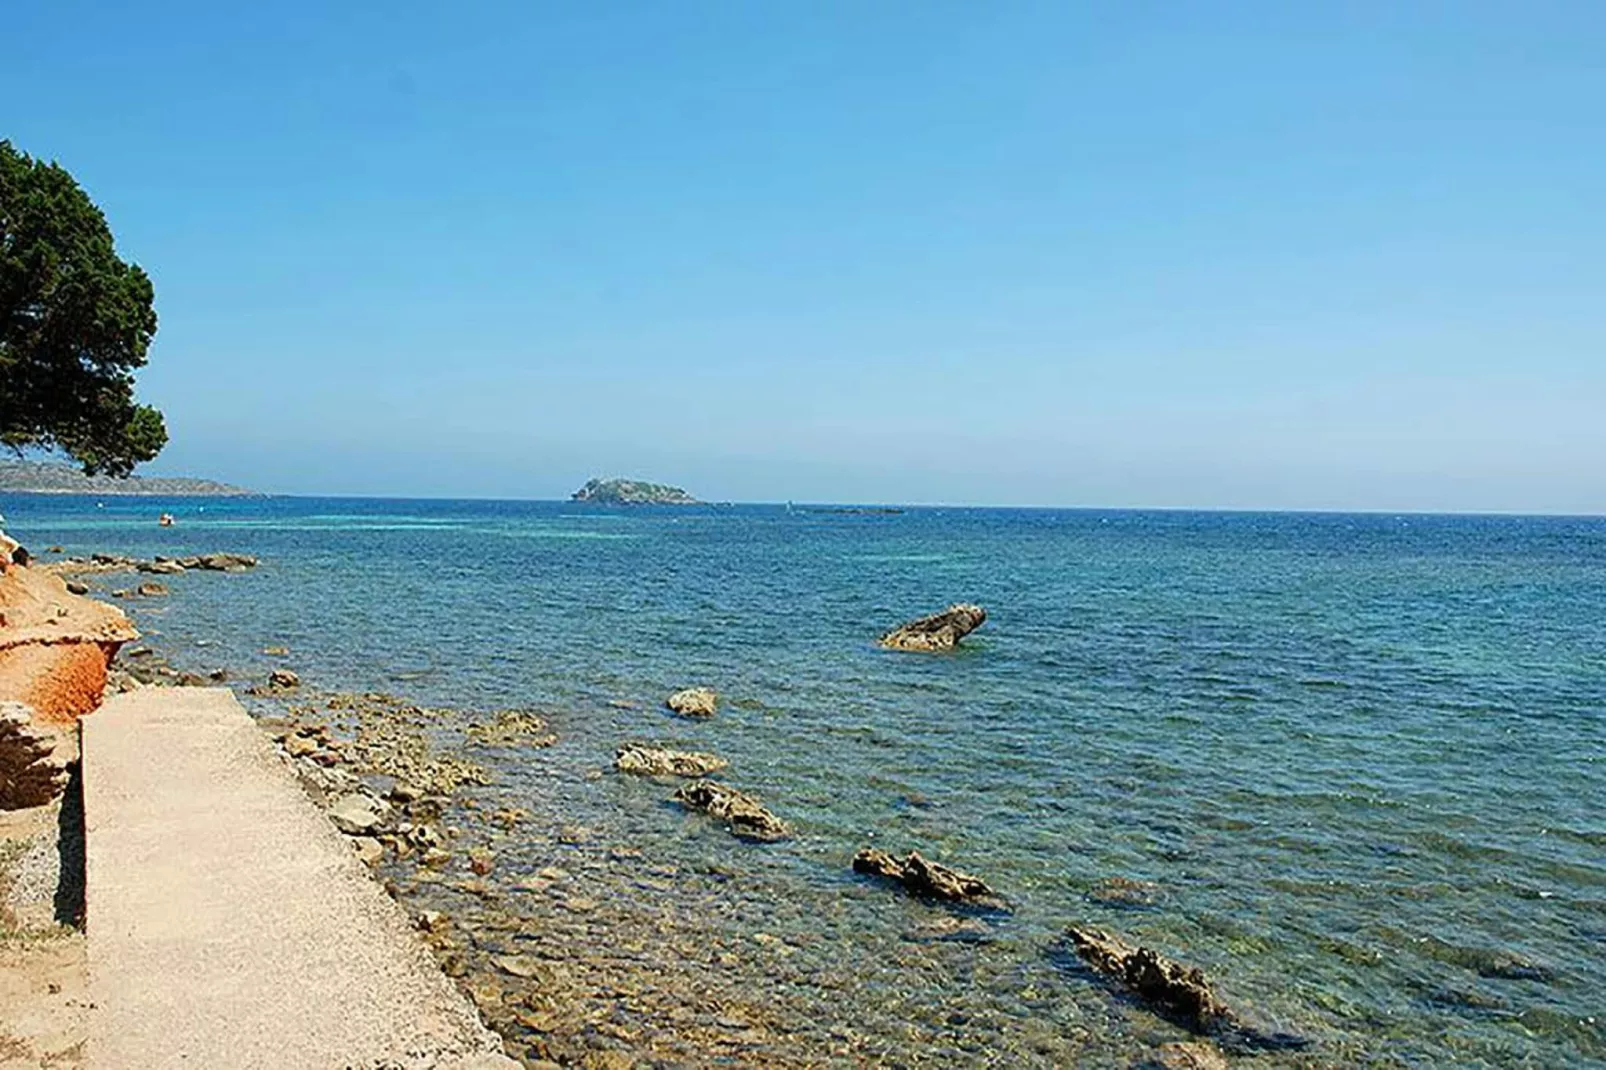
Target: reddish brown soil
[61,681]
[55,646]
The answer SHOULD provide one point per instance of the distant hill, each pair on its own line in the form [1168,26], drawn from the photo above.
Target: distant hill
[632,492]
[33,477]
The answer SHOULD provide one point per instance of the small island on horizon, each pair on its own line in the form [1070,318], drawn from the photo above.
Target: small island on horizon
[631,492]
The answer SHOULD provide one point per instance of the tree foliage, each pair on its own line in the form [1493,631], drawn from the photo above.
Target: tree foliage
[75,322]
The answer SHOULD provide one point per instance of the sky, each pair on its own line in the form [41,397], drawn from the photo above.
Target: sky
[1201,255]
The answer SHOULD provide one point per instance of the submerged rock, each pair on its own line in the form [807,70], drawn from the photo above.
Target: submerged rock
[694,702]
[1179,992]
[1498,963]
[940,631]
[511,728]
[283,680]
[1124,892]
[744,815]
[1186,1055]
[919,876]
[951,929]
[653,761]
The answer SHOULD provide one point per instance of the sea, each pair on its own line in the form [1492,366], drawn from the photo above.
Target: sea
[1351,766]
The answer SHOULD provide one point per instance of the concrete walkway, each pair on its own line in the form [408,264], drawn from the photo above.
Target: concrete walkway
[229,924]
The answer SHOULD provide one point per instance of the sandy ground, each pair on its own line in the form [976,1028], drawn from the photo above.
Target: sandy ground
[43,976]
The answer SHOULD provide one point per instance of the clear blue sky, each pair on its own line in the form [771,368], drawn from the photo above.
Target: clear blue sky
[1287,255]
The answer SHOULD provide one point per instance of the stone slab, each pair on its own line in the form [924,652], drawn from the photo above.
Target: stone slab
[229,924]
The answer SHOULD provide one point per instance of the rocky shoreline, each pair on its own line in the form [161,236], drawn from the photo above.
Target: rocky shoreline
[581,951]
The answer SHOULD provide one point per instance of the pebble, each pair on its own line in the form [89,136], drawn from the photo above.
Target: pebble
[370,850]
[518,965]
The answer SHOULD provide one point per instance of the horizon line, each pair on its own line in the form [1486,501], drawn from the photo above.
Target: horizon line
[1230,510]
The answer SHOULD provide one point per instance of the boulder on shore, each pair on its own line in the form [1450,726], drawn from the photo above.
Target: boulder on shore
[744,815]
[356,814]
[922,877]
[940,631]
[694,702]
[655,761]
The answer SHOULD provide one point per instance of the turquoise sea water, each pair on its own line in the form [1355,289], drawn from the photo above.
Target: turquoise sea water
[1363,758]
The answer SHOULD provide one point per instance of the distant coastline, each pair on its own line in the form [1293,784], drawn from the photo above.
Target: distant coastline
[35,477]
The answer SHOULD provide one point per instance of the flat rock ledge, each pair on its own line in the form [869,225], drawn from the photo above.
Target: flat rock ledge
[743,814]
[922,877]
[940,631]
[654,761]
[694,702]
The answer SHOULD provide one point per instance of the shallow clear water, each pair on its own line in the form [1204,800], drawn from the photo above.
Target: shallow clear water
[1363,757]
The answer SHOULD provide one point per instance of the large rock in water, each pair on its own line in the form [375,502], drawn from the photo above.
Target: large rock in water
[919,876]
[694,702]
[222,562]
[1179,992]
[656,761]
[744,815]
[940,631]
